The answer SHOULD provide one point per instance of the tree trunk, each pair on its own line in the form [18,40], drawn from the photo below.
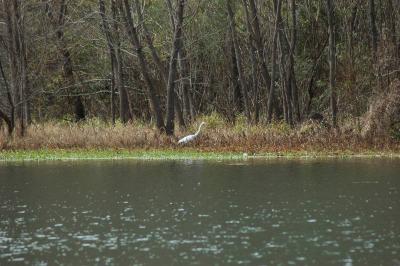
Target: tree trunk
[124,102]
[238,60]
[237,94]
[172,68]
[20,92]
[259,45]
[285,71]
[151,91]
[147,35]
[374,31]
[253,60]
[68,69]
[158,62]
[393,33]
[107,33]
[295,95]
[18,64]
[185,79]
[332,60]
[271,95]
[10,101]
[350,43]
[115,59]
[8,122]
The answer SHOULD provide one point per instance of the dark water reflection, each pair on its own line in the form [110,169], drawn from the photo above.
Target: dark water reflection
[339,212]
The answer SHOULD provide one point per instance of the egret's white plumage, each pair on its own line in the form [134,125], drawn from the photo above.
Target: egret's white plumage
[190,137]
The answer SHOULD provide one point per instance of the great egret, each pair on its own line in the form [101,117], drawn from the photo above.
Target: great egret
[190,137]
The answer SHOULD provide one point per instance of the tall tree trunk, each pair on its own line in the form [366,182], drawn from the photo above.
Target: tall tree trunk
[350,42]
[259,44]
[237,94]
[374,38]
[332,60]
[183,71]
[10,99]
[374,31]
[172,68]
[12,58]
[151,91]
[295,94]
[116,69]
[107,32]
[68,69]
[19,92]
[149,41]
[158,62]
[112,91]
[18,64]
[24,89]
[271,96]
[285,84]
[8,121]
[253,60]
[285,71]
[232,26]
[393,33]
[186,83]
[124,102]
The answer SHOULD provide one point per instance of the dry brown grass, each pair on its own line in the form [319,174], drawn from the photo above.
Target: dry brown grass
[217,135]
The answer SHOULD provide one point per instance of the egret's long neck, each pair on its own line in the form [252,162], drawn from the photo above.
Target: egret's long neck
[198,131]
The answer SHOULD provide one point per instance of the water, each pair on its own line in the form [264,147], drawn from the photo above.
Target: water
[279,212]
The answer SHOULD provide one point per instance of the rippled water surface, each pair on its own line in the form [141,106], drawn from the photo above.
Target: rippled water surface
[280,212]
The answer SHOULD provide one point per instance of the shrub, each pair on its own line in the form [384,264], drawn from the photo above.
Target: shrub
[384,113]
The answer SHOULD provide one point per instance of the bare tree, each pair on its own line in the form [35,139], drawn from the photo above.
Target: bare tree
[237,94]
[117,83]
[259,43]
[271,96]
[243,87]
[253,60]
[18,64]
[285,70]
[158,61]
[374,31]
[295,95]
[134,39]
[9,119]
[393,29]
[184,75]
[173,67]
[58,21]
[332,60]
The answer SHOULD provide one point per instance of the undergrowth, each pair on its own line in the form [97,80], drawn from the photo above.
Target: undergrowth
[217,136]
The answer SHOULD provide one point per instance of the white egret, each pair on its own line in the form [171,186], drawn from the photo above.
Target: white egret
[190,137]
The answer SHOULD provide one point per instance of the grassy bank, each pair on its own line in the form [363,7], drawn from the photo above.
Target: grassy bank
[219,139]
[84,154]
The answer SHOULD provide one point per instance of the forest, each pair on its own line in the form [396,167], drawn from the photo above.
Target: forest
[264,74]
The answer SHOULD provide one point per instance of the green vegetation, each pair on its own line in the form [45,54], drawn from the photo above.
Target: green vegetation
[186,154]
[59,154]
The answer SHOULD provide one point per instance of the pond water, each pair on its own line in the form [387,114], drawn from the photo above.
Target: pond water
[255,212]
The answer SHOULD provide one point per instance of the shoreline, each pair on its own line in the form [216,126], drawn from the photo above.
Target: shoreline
[185,154]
